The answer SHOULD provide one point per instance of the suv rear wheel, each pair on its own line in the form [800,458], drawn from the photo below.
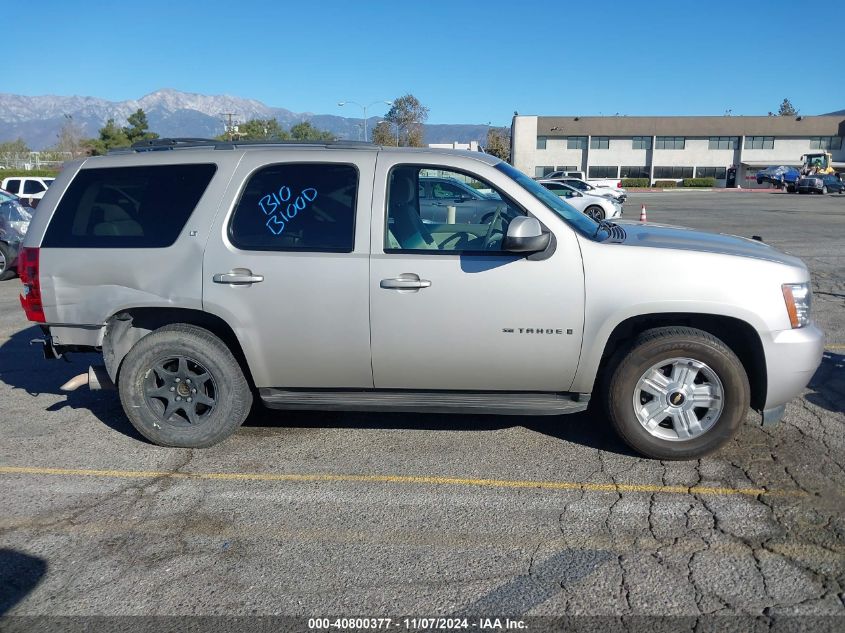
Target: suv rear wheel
[181,386]
[678,393]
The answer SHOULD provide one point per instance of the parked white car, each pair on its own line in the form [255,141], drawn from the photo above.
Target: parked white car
[31,188]
[610,188]
[596,207]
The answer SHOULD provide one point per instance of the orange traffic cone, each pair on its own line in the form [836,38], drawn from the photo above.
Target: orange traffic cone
[643,217]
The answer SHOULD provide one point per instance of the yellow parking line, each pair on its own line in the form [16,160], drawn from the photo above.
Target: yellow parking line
[398,479]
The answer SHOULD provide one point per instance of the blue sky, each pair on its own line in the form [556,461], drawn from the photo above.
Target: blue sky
[469,62]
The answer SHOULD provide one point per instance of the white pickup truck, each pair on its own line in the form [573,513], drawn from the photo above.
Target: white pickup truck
[607,183]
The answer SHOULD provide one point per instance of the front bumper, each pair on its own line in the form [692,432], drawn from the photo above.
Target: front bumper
[792,357]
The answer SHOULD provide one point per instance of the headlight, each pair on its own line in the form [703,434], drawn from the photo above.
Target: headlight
[799,300]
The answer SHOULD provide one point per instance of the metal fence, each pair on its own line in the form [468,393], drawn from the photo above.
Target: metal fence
[28,161]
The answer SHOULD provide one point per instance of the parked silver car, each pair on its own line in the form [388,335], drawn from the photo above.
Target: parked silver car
[212,273]
[14,222]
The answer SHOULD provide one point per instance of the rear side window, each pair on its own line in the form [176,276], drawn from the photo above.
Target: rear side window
[13,186]
[297,206]
[127,207]
[32,186]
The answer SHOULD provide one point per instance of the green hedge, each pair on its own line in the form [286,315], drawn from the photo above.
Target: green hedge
[11,173]
[635,182]
[699,182]
[665,184]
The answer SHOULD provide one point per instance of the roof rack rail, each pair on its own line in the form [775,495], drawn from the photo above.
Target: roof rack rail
[157,144]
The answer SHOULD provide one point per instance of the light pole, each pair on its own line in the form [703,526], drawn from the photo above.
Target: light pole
[364,108]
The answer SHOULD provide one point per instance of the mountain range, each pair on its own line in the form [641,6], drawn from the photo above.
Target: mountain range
[37,120]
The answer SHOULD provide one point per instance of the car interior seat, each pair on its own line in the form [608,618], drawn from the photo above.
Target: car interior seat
[407,227]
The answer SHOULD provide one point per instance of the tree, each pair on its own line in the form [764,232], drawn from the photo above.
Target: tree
[787,109]
[69,139]
[138,128]
[383,134]
[258,130]
[306,132]
[110,137]
[408,114]
[499,143]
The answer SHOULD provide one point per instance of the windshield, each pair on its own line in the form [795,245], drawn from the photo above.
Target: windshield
[569,214]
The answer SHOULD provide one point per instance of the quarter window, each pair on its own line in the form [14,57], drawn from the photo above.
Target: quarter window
[431,225]
[297,207]
[759,142]
[13,186]
[599,142]
[670,142]
[128,207]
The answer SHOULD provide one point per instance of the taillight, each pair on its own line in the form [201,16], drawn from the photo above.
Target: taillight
[31,294]
[619,185]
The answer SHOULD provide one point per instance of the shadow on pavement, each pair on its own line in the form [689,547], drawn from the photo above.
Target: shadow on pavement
[828,384]
[23,367]
[19,574]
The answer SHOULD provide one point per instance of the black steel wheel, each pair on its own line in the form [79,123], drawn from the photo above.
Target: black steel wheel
[180,385]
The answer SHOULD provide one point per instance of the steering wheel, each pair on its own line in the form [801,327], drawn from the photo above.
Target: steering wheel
[491,230]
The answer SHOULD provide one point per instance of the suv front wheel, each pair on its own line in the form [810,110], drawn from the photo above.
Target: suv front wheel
[181,386]
[678,393]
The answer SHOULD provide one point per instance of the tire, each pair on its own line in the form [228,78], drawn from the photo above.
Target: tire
[790,189]
[824,189]
[594,211]
[153,374]
[679,430]
[5,260]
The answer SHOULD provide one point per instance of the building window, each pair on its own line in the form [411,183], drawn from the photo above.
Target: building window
[670,142]
[641,142]
[541,142]
[673,172]
[543,170]
[576,142]
[599,142]
[566,168]
[634,172]
[825,142]
[597,171]
[724,142]
[759,142]
[719,173]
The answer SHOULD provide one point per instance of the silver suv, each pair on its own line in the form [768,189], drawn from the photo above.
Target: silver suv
[209,274]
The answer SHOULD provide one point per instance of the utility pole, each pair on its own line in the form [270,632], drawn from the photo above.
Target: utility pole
[230,123]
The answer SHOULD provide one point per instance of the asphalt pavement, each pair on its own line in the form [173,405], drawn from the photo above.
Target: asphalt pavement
[391,515]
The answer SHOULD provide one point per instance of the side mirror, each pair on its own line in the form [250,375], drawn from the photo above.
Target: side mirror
[525,235]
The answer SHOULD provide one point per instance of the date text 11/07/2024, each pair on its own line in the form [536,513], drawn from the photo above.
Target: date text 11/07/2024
[416,624]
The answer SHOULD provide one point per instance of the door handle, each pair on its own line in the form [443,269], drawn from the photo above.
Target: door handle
[405,281]
[238,277]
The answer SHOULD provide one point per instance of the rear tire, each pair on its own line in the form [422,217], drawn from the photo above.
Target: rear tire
[654,389]
[5,260]
[824,189]
[595,212]
[181,386]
